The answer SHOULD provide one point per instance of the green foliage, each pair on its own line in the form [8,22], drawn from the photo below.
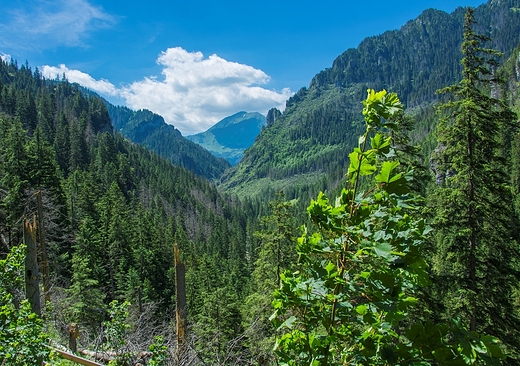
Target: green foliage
[115,330]
[22,340]
[214,307]
[150,130]
[112,212]
[275,244]
[230,137]
[360,272]
[159,352]
[275,255]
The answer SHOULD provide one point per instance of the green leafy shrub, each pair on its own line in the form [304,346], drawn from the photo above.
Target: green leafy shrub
[359,273]
[22,341]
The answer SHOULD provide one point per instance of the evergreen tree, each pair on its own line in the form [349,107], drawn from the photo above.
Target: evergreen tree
[26,110]
[113,238]
[78,145]
[85,298]
[45,107]
[13,177]
[476,253]
[276,243]
[275,255]
[62,143]
[41,164]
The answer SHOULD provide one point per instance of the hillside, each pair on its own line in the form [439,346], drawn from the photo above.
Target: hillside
[149,130]
[231,136]
[112,212]
[306,149]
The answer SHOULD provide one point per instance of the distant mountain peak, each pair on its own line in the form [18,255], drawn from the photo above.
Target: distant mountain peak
[237,118]
[232,135]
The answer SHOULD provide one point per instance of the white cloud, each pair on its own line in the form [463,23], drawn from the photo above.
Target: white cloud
[197,92]
[5,57]
[194,93]
[75,76]
[49,24]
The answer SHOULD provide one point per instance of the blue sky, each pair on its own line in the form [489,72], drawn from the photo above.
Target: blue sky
[195,62]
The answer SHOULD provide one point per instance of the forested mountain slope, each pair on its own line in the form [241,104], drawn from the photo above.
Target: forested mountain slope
[149,129]
[306,148]
[113,211]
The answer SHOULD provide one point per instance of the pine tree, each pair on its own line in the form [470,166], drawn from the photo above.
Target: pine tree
[275,255]
[277,241]
[113,222]
[62,143]
[13,177]
[26,110]
[476,251]
[78,145]
[45,107]
[85,298]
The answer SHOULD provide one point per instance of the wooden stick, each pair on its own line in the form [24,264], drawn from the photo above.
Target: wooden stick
[74,358]
[32,277]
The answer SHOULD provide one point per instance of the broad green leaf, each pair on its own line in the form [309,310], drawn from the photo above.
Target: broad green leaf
[387,172]
[380,143]
[442,354]
[330,267]
[364,274]
[383,250]
[493,346]
[412,300]
[380,105]
[289,323]
[361,164]
[480,347]
[361,309]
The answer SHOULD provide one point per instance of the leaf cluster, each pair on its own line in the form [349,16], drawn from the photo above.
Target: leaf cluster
[22,341]
[360,272]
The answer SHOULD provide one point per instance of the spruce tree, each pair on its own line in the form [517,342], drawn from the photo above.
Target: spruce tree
[277,239]
[476,250]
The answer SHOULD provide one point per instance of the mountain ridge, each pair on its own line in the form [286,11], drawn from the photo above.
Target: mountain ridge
[309,143]
[229,137]
[150,130]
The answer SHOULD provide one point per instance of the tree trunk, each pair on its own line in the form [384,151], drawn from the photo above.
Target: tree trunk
[180,302]
[32,281]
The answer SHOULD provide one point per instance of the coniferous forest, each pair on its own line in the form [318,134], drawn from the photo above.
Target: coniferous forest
[370,228]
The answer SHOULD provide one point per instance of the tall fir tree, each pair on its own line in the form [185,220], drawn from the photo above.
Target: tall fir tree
[277,240]
[476,256]
[62,143]
[13,178]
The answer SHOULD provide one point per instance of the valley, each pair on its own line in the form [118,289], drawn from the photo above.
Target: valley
[373,221]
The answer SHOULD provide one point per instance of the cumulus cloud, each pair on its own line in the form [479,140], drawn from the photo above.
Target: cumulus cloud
[196,92]
[5,57]
[75,76]
[45,23]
